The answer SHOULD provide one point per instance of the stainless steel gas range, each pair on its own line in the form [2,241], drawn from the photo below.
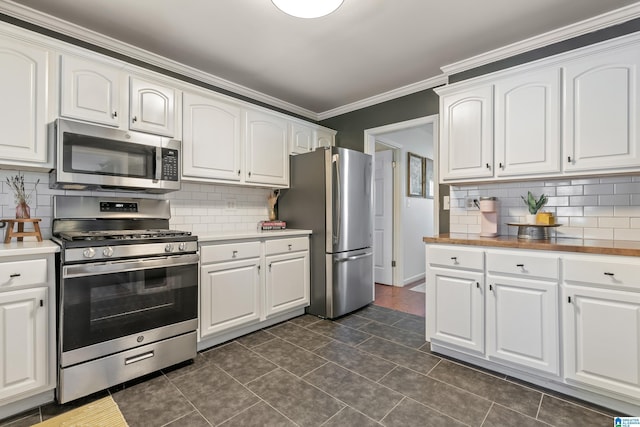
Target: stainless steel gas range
[126,292]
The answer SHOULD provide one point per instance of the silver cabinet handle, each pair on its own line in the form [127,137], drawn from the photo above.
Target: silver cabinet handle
[290,246]
[354,257]
[134,119]
[235,254]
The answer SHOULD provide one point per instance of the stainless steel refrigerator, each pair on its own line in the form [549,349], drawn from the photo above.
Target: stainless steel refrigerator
[331,193]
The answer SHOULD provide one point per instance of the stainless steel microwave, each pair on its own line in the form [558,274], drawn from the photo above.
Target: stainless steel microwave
[89,157]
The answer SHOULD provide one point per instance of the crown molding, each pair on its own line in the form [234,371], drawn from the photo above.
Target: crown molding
[599,22]
[386,96]
[52,23]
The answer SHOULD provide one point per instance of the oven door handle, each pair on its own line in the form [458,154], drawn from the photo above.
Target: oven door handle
[121,266]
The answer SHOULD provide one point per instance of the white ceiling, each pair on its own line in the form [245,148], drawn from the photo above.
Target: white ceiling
[365,48]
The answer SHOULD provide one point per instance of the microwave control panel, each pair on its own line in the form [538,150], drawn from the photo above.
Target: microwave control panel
[169,164]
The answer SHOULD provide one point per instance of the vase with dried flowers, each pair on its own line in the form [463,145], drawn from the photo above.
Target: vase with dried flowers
[20,194]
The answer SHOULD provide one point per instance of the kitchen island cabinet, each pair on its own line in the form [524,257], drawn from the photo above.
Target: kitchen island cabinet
[251,280]
[559,313]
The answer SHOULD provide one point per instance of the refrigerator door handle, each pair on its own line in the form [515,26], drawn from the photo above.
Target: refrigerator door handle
[354,257]
[338,208]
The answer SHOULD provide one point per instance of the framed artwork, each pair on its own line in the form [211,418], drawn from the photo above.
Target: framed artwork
[416,172]
[430,183]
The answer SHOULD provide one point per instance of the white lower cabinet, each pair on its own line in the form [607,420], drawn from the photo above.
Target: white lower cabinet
[229,295]
[245,283]
[522,310]
[287,262]
[455,311]
[569,322]
[522,322]
[23,334]
[27,328]
[601,315]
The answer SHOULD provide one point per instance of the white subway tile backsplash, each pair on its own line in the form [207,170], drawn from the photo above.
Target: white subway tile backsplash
[614,200]
[591,208]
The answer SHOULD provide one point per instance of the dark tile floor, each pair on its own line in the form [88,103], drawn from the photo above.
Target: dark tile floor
[370,368]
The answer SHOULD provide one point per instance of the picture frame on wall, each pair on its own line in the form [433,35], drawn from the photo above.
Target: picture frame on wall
[416,175]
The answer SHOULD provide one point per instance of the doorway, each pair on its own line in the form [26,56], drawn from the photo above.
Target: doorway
[412,217]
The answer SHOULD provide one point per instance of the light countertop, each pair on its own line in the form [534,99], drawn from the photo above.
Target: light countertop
[15,248]
[255,234]
[592,246]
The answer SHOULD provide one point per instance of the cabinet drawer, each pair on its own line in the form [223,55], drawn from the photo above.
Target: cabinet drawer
[454,257]
[229,251]
[23,273]
[520,264]
[603,271]
[278,246]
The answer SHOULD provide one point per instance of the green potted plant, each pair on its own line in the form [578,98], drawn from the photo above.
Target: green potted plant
[534,205]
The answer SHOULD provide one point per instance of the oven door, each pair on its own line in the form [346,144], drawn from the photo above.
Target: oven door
[108,307]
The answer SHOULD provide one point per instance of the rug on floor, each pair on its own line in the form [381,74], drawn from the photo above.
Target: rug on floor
[101,413]
[420,288]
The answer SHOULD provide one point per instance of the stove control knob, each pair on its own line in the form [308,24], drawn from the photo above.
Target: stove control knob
[182,246]
[89,253]
[108,251]
[169,247]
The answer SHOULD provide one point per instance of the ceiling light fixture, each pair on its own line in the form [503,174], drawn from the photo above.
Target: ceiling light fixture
[307,8]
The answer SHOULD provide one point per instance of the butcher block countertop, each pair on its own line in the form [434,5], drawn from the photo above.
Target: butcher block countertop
[602,247]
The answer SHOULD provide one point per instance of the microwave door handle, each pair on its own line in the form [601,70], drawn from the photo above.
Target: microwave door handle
[157,165]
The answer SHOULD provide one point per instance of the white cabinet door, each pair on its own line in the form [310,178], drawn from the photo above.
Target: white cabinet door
[455,308]
[466,149]
[23,102]
[152,107]
[522,322]
[527,123]
[324,138]
[302,138]
[211,138]
[267,149]
[23,341]
[602,338]
[90,90]
[602,106]
[287,282]
[229,295]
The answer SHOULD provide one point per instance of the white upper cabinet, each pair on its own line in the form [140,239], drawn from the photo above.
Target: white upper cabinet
[466,149]
[102,91]
[211,138]
[25,69]
[325,138]
[527,123]
[301,138]
[573,114]
[90,90]
[602,97]
[266,143]
[153,107]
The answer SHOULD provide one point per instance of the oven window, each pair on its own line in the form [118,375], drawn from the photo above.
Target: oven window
[86,154]
[104,307]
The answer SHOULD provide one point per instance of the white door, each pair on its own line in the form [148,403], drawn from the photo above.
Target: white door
[455,308]
[152,107]
[23,341]
[267,150]
[522,322]
[229,295]
[383,218]
[602,339]
[90,90]
[287,282]
[211,138]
